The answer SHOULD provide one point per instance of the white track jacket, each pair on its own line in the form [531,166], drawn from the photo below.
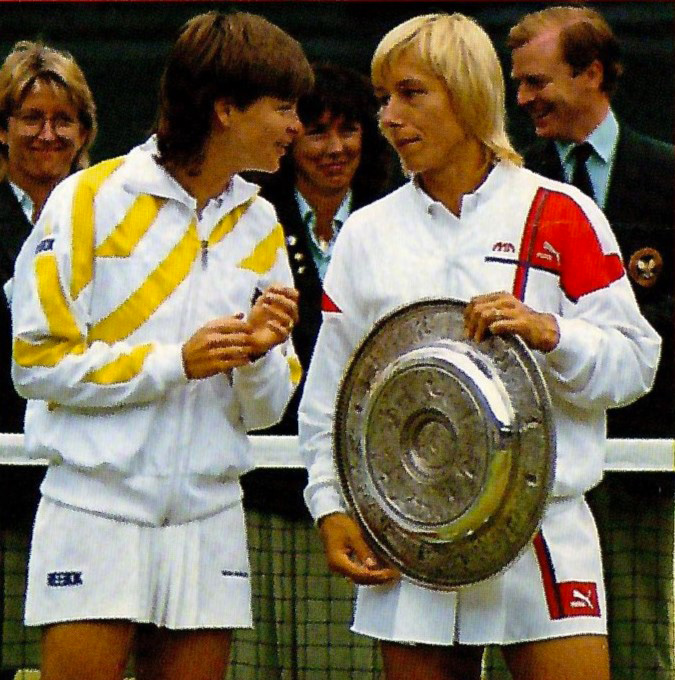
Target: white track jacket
[545,242]
[118,274]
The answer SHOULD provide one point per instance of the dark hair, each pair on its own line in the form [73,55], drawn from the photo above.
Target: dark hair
[584,37]
[344,92]
[238,56]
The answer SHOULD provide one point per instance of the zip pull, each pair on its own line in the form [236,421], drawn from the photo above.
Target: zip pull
[205,254]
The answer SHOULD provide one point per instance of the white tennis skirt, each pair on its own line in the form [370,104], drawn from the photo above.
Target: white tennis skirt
[554,589]
[87,567]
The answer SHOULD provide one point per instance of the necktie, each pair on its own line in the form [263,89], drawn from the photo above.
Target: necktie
[580,177]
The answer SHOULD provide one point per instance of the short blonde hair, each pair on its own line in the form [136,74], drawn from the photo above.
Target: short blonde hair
[462,55]
[31,62]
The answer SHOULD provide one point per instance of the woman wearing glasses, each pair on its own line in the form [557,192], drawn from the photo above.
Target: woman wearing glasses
[47,125]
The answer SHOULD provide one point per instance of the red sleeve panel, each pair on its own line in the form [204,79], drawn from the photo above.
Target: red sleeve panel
[559,238]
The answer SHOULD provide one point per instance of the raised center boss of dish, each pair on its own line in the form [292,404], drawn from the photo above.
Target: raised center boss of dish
[432,423]
[430,441]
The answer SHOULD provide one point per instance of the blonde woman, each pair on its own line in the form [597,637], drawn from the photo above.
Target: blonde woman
[561,288]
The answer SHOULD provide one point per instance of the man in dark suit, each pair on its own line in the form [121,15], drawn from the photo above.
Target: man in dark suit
[47,124]
[566,65]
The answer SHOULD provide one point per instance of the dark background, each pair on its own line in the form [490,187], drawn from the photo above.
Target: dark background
[121,47]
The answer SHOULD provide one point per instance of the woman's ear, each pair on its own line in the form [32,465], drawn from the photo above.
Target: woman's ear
[222,110]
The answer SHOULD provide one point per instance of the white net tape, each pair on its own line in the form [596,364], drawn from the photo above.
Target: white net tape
[629,455]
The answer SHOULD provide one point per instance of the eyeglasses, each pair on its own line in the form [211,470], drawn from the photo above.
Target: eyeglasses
[33,122]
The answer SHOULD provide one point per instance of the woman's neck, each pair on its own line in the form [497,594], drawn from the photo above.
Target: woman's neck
[450,184]
[325,205]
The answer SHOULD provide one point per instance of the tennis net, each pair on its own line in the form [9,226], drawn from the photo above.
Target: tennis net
[302,612]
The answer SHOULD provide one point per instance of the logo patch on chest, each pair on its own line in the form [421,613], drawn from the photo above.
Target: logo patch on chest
[503,247]
[44,246]
[61,579]
[645,266]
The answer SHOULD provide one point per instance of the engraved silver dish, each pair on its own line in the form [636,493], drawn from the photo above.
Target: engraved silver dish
[444,447]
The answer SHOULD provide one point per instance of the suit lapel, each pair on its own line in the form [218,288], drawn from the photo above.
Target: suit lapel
[543,158]
[620,178]
[14,230]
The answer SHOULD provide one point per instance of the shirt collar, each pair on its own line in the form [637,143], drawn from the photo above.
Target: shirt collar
[305,209]
[421,196]
[603,139]
[484,188]
[307,212]
[25,201]
[345,208]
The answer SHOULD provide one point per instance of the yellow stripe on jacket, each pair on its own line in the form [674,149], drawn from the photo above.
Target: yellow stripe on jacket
[264,255]
[64,334]
[227,224]
[125,236]
[146,299]
[82,236]
[122,369]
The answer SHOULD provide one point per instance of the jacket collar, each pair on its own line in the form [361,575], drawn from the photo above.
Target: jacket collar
[143,174]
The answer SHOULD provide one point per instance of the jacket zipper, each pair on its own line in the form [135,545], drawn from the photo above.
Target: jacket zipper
[205,254]
[179,462]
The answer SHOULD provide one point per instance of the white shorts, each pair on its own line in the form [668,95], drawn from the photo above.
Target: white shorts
[554,589]
[84,566]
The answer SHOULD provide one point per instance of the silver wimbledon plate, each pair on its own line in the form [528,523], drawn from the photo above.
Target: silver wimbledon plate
[444,447]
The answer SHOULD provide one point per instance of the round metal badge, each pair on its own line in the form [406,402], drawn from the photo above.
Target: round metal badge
[645,266]
[444,447]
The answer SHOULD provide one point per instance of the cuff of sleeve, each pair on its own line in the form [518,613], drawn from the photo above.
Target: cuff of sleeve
[168,362]
[325,501]
[256,371]
[578,339]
